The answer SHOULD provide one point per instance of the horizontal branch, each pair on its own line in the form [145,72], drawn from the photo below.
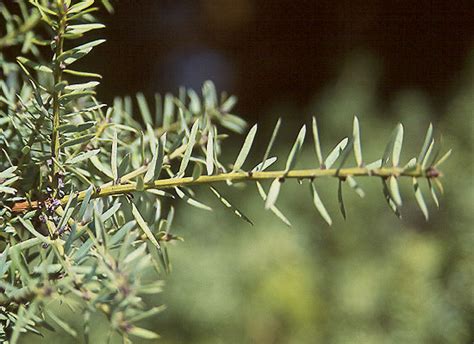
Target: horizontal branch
[122,189]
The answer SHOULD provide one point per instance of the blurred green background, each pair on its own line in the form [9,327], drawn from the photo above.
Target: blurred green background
[370,279]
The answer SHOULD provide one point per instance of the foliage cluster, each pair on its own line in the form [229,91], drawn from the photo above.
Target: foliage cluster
[84,186]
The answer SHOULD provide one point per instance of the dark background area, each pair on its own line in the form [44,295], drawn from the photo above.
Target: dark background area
[266,50]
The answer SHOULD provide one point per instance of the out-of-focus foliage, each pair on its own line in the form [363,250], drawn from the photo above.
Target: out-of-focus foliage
[371,279]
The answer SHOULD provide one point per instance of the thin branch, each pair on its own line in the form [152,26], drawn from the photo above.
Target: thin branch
[122,189]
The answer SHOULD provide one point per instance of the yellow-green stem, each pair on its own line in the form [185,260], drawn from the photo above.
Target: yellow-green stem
[114,190]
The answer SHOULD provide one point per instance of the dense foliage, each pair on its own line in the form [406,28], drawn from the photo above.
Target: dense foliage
[84,187]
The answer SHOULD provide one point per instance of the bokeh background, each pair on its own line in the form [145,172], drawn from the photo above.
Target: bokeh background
[370,279]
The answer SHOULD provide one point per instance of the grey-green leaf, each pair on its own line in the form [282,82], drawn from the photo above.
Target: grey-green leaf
[355,186]
[144,109]
[244,151]
[319,204]
[443,158]
[236,211]
[113,157]
[189,149]
[433,193]
[419,199]
[395,190]
[270,143]
[273,193]
[210,152]
[336,152]
[143,225]
[397,145]
[154,169]
[341,199]
[295,150]
[317,143]
[274,209]
[426,143]
[388,197]
[427,155]
[82,156]
[191,201]
[357,145]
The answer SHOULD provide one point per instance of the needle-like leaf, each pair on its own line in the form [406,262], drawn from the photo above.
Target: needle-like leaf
[397,145]
[189,149]
[319,204]
[419,198]
[244,151]
[273,208]
[357,145]
[270,143]
[426,143]
[295,150]
[332,157]
[236,211]
[210,152]
[273,193]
